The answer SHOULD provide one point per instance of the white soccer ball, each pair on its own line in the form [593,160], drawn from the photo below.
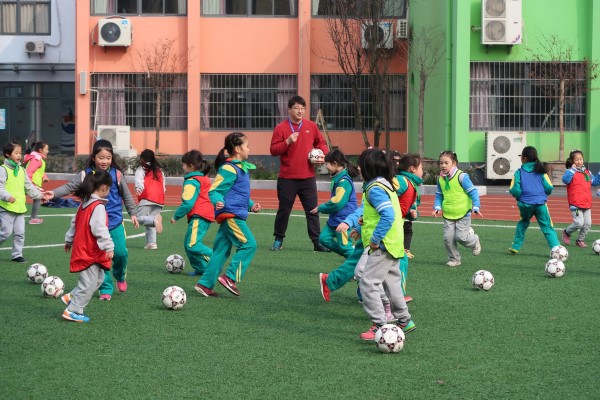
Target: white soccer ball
[36,273]
[315,154]
[175,263]
[555,268]
[560,253]
[174,298]
[389,338]
[483,280]
[596,246]
[53,286]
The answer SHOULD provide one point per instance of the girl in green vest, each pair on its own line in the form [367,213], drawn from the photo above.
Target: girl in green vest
[14,183]
[456,197]
[35,165]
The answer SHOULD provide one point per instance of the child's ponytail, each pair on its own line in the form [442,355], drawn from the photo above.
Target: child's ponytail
[531,155]
[92,182]
[232,140]
[569,162]
[336,156]
[150,162]
[195,159]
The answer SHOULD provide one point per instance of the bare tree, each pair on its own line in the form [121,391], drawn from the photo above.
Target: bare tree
[161,63]
[562,77]
[426,49]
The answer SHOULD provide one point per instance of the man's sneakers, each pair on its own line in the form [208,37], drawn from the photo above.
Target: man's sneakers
[158,223]
[477,248]
[277,244]
[325,291]
[105,297]
[151,246]
[35,221]
[66,298]
[453,263]
[320,248]
[229,284]
[370,334]
[122,286]
[566,237]
[204,291]
[71,316]
[19,259]
[408,327]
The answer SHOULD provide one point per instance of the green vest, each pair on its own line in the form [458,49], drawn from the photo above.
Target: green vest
[38,176]
[394,239]
[457,202]
[15,185]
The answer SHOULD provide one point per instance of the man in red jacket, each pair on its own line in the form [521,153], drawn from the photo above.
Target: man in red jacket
[292,140]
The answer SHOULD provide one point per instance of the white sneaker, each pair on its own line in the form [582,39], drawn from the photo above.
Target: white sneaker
[151,246]
[453,263]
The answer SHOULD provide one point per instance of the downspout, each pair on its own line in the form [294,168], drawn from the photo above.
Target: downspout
[449,143]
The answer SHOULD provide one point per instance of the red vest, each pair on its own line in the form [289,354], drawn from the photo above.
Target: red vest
[154,190]
[579,191]
[85,250]
[203,207]
[408,198]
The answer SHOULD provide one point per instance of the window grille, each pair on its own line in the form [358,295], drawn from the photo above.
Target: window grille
[364,9]
[333,95]
[277,8]
[523,96]
[139,7]
[245,102]
[20,17]
[130,99]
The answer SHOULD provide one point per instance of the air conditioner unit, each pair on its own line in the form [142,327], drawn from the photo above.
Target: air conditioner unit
[501,21]
[114,32]
[117,135]
[38,47]
[377,36]
[503,153]
[402,29]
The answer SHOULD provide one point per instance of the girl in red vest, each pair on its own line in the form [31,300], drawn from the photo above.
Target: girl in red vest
[150,188]
[579,181]
[196,205]
[89,242]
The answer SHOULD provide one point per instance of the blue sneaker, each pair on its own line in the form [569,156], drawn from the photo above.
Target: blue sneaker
[71,316]
[277,245]
[409,327]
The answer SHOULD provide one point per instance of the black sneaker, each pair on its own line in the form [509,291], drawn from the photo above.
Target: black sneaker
[19,259]
[320,248]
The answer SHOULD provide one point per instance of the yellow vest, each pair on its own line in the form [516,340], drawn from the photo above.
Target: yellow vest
[38,176]
[457,202]
[15,185]
[394,239]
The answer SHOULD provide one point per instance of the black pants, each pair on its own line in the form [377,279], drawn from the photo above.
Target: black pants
[287,190]
[408,234]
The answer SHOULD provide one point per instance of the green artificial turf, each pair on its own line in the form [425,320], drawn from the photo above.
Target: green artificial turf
[529,337]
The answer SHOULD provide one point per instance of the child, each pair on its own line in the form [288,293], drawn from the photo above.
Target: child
[150,188]
[409,175]
[408,232]
[456,197]
[102,157]
[579,183]
[531,187]
[90,241]
[230,194]
[382,234]
[14,183]
[341,204]
[198,208]
[35,165]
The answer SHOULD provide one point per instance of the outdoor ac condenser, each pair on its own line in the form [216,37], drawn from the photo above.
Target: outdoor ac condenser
[503,153]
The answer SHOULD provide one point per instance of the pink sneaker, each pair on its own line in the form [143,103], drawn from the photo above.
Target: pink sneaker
[370,334]
[407,299]
[581,243]
[122,286]
[566,238]
[35,221]
[105,296]
[325,291]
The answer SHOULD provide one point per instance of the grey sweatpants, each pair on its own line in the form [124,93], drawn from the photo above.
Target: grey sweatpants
[382,273]
[146,215]
[90,280]
[35,208]
[582,221]
[458,231]
[13,224]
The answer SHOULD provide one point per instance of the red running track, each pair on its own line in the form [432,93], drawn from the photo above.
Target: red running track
[494,207]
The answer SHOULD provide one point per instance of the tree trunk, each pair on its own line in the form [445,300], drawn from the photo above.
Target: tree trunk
[157,115]
[358,111]
[422,83]
[561,120]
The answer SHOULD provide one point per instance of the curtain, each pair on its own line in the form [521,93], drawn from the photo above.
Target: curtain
[479,107]
[315,7]
[213,7]
[110,108]
[27,18]
[9,18]
[315,99]
[205,101]
[105,7]
[285,85]
[177,104]
[42,18]
[292,7]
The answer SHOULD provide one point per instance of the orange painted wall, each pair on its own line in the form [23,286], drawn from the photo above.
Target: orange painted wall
[217,45]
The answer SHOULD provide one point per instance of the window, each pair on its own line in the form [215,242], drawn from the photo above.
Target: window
[333,95]
[524,97]
[139,7]
[245,102]
[249,7]
[362,8]
[130,99]
[20,17]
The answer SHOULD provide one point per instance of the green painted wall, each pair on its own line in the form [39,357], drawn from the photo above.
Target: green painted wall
[447,97]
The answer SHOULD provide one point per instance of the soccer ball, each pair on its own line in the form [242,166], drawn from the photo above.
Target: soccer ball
[174,298]
[483,280]
[560,253]
[53,286]
[36,273]
[596,246]
[175,263]
[315,154]
[555,268]
[389,338]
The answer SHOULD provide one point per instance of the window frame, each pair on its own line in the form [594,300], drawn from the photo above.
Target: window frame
[18,30]
[248,14]
[314,12]
[139,9]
